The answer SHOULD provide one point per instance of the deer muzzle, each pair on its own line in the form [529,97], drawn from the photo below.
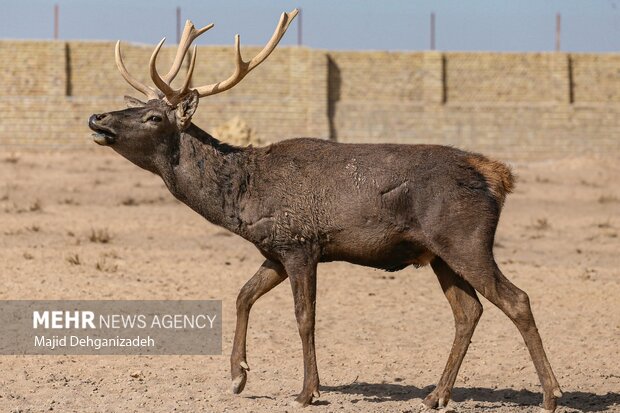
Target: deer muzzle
[103,135]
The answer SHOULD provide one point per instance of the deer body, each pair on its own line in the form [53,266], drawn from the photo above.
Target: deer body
[366,204]
[306,201]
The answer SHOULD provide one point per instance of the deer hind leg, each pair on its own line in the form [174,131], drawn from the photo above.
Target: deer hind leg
[268,276]
[467,310]
[481,271]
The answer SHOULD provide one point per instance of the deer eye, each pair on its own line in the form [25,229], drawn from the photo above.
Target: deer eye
[154,118]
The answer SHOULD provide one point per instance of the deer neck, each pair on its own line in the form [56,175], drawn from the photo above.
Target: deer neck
[207,175]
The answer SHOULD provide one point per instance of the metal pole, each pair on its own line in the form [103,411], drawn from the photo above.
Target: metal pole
[558,26]
[56,14]
[299,28]
[433,31]
[178,24]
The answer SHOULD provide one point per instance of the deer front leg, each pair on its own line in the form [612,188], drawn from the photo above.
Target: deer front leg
[267,277]
[302,275]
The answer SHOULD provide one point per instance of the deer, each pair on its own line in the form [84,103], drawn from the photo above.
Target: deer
[306,201]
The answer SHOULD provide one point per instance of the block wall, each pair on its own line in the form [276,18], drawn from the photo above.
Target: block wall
[513,104]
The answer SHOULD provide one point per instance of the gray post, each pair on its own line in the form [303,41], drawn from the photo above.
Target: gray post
[56,16]
[299,28]
[558,22]
[433,31]
[178,24]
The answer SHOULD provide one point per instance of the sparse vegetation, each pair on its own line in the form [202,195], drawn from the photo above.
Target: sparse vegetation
[74,259]
[12,158]
[110,254]
[129,201]
[69,201]
[608,199]
[35,206]
[104,265]
[589,184]
[541,224]
[101,236]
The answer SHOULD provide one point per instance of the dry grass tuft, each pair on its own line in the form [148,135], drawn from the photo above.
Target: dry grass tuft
[541,224]
[129,201]
[69,201]
[608,199]
[104,265]
[543,180]
[36,206]
[12,158]
[74,259]
[101,236]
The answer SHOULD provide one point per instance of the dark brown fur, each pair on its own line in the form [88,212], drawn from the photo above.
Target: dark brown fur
[306,201]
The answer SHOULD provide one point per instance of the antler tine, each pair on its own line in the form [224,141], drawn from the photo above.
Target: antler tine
[285,21]
[172,95]
[159,82]
[242,67]
[187,38]
[136,84]
[190,71]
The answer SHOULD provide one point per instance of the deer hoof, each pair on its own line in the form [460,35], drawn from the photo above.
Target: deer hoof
[245,366]
[302,400]
[557,392]
[297,404]
[238,384]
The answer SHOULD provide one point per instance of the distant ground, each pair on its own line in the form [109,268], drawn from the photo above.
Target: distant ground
[89,225]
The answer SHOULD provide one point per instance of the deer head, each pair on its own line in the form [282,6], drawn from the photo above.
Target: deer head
[144,128]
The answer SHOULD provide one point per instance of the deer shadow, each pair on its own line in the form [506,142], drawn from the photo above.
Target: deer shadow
[383,392]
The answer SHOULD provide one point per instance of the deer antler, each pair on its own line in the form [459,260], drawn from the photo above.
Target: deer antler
[173,96]
[139,86]
[189,35]
[243,68]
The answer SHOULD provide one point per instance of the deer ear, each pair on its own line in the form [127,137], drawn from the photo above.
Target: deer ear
[133,102]
[186,108]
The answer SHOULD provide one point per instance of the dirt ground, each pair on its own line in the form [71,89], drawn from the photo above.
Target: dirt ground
[89,225]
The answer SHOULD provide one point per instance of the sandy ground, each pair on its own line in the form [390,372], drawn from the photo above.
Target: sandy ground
[382,338]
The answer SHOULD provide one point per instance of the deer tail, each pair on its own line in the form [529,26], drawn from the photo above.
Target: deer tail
[498,176]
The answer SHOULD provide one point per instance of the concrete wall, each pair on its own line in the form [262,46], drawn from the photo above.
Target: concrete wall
[513,104]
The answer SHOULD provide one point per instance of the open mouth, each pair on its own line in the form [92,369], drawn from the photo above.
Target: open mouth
[102,135]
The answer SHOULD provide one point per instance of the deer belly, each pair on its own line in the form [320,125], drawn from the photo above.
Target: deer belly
[394,256]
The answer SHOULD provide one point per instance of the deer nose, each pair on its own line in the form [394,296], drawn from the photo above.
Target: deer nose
[97,117]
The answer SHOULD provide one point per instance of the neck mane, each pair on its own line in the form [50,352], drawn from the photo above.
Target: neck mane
[208,175]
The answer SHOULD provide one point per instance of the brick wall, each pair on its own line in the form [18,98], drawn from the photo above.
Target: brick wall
[513,104]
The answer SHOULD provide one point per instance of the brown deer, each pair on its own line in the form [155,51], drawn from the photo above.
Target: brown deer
[306,201]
